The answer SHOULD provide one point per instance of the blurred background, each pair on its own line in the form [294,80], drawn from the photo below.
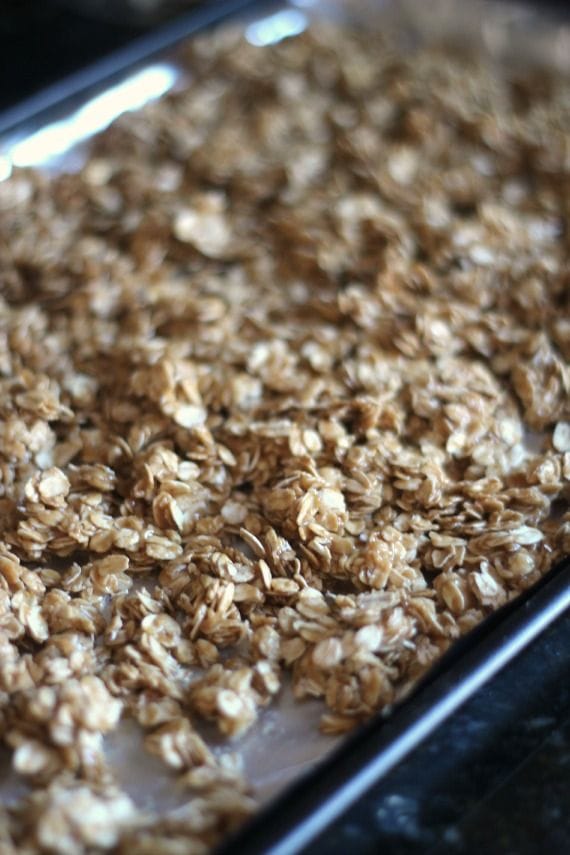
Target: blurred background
[42,41]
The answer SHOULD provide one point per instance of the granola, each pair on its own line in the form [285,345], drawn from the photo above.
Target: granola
[285,394]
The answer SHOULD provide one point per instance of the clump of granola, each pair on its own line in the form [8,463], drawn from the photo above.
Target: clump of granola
[285,391]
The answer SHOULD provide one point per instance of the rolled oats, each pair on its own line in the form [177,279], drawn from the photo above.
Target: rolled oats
[286,396]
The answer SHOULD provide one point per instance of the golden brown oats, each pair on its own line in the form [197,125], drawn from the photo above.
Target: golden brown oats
[286,396]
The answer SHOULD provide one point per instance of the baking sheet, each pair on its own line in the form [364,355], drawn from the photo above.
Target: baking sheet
[289,728]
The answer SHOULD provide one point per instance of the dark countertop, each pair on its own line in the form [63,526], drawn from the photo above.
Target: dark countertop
[495,778]
[42,41]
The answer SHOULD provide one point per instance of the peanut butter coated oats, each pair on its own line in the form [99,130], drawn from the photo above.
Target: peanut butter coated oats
[285,397]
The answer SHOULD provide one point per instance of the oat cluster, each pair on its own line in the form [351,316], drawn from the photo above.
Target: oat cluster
[284,389]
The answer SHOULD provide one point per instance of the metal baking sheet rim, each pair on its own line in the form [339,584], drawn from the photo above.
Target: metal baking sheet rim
[69,113]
